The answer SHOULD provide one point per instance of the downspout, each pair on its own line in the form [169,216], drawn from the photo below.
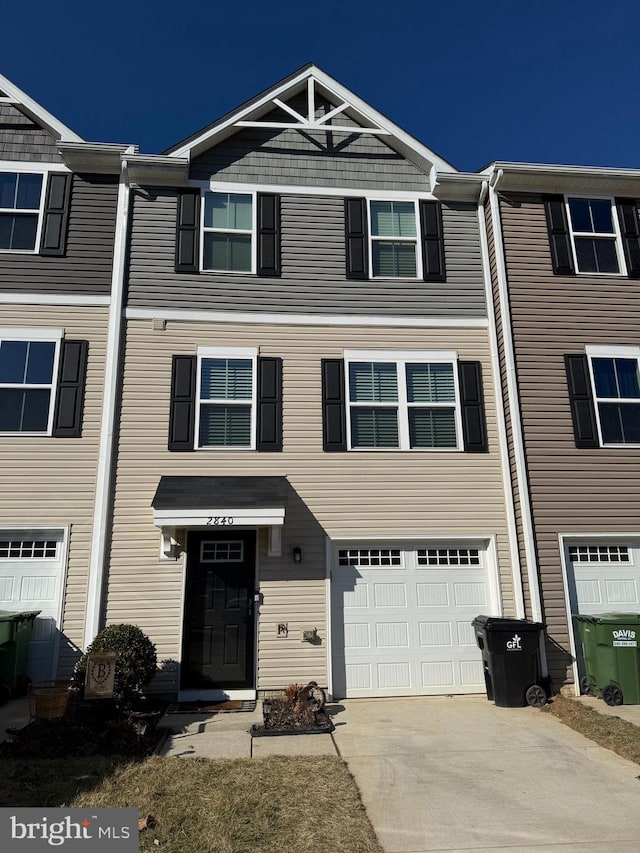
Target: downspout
[514,411]
[518,592]
[106,454]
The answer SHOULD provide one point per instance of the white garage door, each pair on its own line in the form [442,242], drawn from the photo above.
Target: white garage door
[31,574]
[604,578]
[401,619]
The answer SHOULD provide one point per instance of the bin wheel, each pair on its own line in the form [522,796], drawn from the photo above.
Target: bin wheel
[585,687]
[5,694]
[612,694]
[536,696]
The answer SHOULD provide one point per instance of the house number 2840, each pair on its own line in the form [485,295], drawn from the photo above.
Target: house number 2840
[220,520]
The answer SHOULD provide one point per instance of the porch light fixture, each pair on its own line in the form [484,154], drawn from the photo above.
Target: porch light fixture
[297,554]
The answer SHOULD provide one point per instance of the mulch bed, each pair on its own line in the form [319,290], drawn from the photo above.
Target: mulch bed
[88,728]
[293,718]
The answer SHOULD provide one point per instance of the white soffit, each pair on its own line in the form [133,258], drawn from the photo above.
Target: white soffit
[535,177]
[11,94]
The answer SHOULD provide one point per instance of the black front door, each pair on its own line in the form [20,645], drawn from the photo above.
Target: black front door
[217,648]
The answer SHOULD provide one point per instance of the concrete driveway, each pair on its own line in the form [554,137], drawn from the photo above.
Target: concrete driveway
[458,773]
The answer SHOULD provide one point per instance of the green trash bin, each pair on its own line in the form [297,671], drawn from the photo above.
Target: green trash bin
[611,650]
[15,633]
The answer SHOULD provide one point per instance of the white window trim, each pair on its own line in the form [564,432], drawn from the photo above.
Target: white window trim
[616,237]
[415,240]
[599,351]
[36,336]
[39,212]
[253,233]
[229,352]
[402,358]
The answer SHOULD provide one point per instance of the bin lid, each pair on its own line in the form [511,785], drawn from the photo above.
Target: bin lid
[609,618]
[498,623]
[17,615]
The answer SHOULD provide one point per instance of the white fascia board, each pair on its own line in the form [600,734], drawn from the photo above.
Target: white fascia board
[458,186]
[38,112]
[95,156]
[534,177]
[424,154]
[158,169]
[216,185]
[203,517]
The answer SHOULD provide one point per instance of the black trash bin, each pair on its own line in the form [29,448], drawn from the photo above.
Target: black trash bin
[511,660]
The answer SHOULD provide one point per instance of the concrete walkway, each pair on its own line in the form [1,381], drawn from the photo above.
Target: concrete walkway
[460,774]
[13,715]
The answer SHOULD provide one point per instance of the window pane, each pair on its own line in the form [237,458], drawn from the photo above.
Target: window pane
[627,371]
[620,423]
[430,383]
[227,252]
[8,189]
[606,256]
[228,210]
[432,428]
[24,411]
[40,362]
[394,260]
[580,214]
[226,379]
[374,427]
[28,195]
[601,215]
[604,373]
[22,232]
[373,382]
[13,361]
[393,219]
[630,416]
[225,426]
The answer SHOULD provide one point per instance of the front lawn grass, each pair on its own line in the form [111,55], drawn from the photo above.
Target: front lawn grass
[608,731]
[270,805]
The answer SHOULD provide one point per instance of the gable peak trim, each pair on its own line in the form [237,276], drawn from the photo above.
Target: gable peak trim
[11,94]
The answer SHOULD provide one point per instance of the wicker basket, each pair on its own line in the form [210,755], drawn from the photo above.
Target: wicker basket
[48,700]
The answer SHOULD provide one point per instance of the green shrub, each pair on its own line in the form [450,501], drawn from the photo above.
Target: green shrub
[135,664]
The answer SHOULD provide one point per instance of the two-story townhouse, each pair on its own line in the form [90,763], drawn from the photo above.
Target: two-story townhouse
[58,201]
[565,260]
[310,479]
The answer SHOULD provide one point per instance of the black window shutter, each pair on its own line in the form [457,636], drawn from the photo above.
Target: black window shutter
[72,371]
[433,266]
[182,414]
[188,231]
[356,238]
[269,404]
[581,400]
[628,216]
[561,256]
[334,425]
[269,235]
[56,214]
[474,424]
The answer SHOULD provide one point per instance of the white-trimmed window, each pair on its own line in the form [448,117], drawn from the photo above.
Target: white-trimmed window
[21,200]
[28,370]
[595,235]
[615,376]
[402,401]
[393,239]
[229,225]
[226,410]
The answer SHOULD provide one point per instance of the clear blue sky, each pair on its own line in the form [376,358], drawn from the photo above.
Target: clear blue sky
[552,81]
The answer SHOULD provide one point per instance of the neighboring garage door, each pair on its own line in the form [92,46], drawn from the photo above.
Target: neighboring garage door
[401,619]
[31,575]
[603,577]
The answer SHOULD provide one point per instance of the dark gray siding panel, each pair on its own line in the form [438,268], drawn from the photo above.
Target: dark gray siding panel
[313,267]
[22,139]
[86,266]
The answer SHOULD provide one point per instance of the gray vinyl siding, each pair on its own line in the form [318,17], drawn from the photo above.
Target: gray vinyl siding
[22,139]
[313,267]
[86,266]
[572,491]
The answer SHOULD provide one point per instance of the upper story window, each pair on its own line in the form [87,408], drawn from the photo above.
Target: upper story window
[404,401]
[228,232]
[394,239]
[226,412]
[616,384]
[595,235]
[20,210]
[27,371]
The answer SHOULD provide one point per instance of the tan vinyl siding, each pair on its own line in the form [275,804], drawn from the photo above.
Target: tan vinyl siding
[572,491]
[50,482]
[363,494]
